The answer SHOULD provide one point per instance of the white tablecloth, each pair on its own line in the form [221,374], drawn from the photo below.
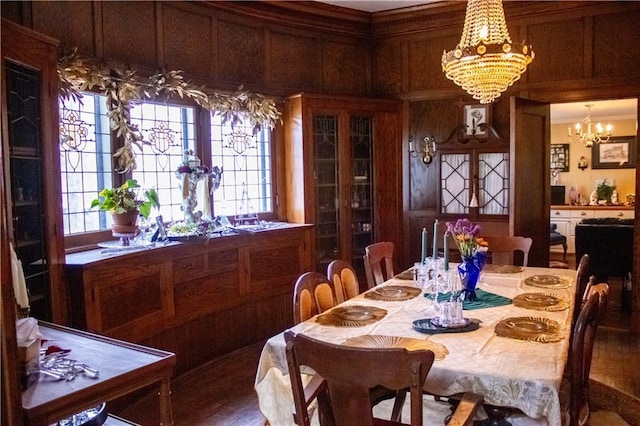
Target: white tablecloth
[508,372]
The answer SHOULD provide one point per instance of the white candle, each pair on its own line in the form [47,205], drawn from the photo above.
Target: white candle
[435,239]
[19,284]
[446,251]
[423,254]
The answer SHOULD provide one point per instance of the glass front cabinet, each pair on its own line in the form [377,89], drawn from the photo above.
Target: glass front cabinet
[331,149]
[30,156]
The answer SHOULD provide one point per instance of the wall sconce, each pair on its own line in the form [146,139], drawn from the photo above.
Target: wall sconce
[426,150]
[583,163]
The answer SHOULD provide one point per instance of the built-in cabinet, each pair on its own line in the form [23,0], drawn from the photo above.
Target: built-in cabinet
[567,217]
[29,149]
[199,298]
[334,160]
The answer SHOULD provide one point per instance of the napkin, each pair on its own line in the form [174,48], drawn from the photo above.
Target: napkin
[19,284]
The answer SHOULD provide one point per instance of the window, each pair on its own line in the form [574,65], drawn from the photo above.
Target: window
[168,130]
[87,164]
[475,179]
[246,187]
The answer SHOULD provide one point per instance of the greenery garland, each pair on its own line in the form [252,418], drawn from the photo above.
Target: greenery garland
[123,89]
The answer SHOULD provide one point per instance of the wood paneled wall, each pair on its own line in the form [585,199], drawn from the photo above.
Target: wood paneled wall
[584,50]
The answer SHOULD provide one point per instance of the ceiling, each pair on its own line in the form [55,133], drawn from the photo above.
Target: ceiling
[376,5]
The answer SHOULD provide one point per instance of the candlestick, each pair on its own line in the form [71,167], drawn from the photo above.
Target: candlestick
[435,239]
[423,255]
[446,251]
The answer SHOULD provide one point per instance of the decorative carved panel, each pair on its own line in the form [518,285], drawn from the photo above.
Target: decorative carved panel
[132,39]
[187,41]
[69,21]
[387,71]
[561,44]
[345,68]
[615,44]
[295,62]
[242,48]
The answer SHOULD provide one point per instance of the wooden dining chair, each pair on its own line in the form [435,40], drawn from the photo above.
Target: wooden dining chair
[312,295]
[350,373]
[502,249]
[582,351]
[345,280]
[582,281]
[378,263]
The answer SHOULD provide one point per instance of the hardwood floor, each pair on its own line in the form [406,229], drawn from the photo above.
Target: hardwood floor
[221,392]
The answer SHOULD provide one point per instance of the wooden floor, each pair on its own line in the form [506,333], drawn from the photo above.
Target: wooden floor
[221,392]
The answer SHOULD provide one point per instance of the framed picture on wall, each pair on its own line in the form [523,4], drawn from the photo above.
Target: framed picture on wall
[560,157]
[618,153]
[473,115]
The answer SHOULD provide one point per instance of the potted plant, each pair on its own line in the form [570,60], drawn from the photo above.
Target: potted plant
[123,204]
[604,191]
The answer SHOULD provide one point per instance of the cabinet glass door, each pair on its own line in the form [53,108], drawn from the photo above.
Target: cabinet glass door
[326,178]
[25,152]
[361,140]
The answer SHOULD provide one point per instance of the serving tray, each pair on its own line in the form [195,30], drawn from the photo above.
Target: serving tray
[427,326]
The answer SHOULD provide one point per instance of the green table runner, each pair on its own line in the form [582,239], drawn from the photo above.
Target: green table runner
[485,300]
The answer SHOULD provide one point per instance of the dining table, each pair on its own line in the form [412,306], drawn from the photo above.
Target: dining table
[513,350]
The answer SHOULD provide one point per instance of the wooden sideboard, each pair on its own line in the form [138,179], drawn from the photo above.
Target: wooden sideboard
[198,298]
[123,368]
[567,217]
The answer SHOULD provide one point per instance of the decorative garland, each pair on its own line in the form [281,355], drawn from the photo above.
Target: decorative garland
[123,89]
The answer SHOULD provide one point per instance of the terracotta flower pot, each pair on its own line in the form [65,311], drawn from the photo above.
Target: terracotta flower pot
[125,223]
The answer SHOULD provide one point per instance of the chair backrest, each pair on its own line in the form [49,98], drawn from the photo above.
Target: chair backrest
[582,280]
[378,263]
[582,350]
[350,373]
[312,295]
[345,280]
[502,249]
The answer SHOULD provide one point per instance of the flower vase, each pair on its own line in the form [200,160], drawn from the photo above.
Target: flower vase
[469,270]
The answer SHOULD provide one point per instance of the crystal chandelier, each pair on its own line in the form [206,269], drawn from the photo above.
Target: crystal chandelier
[589,137]
[485,62]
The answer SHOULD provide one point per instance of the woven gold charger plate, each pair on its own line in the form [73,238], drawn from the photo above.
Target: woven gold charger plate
[532,329]
[380,341]
[393,293]
[540,302]
[501,269]
[351,316]
[547,281]
[405,275]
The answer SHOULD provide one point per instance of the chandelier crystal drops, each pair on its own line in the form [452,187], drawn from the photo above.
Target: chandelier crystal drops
[486,62]
[589,137]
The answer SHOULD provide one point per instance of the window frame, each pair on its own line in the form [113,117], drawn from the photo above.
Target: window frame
[202,117]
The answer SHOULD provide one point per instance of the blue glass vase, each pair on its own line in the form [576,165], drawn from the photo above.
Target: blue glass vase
[469,270]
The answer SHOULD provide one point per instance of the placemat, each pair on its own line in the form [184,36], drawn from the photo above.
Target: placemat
[351,316]
[501,269]
[541,330]
[547,281]
[393,293]
[485,300]
[405,275]
[380,341]
[541,302]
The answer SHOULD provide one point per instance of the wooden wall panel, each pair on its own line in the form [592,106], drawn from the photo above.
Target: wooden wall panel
[243,50]
[616,43]
[71,22]
[188,42]
[129,32]
[345,68]
[387,67]
[425,63]
[560,50]
[296,62]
